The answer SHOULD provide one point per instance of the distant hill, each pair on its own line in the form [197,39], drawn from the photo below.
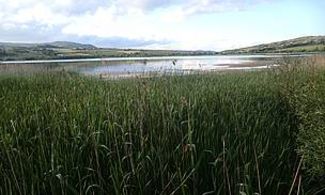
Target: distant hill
[71,50]
[56,44]
[71,45]
[302,44]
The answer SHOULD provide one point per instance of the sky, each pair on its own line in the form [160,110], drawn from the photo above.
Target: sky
[161,24]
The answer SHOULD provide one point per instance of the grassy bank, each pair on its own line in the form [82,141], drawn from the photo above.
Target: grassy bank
[234,133]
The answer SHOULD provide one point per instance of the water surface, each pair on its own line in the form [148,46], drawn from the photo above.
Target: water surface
[147,65]
[177,64]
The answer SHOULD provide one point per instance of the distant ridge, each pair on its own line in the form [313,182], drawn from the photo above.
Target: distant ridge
[72,50]
[72,45]
[301,44]
[56,44]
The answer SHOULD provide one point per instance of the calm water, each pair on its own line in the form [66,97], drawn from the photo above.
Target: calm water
[143,65]
[190,64]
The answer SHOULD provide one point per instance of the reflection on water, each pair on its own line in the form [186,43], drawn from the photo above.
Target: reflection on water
[135,66]
[179,65]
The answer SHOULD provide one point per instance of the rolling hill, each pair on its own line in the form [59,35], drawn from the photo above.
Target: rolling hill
[56,44]
[71,50]
[298,45]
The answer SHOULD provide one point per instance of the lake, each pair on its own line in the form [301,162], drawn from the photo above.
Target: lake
[116,67]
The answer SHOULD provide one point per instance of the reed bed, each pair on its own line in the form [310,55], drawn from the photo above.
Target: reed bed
[235,133]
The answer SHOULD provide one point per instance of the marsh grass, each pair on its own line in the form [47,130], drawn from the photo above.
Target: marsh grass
[304,90]
[61,133]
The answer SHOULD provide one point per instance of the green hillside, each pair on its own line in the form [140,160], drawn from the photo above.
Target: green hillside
[68,50]
[302,44]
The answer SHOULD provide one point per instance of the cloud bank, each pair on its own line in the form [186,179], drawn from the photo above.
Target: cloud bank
[116,23]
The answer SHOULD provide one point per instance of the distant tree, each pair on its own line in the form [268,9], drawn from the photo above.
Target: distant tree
[2,52]
[323,41]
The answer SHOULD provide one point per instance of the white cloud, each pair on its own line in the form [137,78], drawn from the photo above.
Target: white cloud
[155,22]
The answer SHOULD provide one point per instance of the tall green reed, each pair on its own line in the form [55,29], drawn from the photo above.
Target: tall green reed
[61,133]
